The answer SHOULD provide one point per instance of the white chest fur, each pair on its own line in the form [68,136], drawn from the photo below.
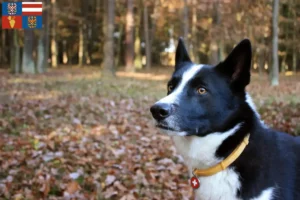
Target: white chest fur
[200,153]
[221,186]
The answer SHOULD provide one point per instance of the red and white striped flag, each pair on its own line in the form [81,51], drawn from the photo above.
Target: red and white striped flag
[32,8]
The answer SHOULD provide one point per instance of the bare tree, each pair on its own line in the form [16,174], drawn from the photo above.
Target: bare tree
[186,23]
[147,38]
[28,65]
[3,55]
[54,51]
[295,31]
[214,49]
[15,53]
[137,40]
[275,65]
[81,44]
[82,51]
[129,53]
[109,66]
[43,42]
[194,39]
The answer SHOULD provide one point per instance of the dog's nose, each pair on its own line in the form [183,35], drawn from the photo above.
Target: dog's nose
[161,111]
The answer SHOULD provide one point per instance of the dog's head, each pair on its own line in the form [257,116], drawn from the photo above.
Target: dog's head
[203,99]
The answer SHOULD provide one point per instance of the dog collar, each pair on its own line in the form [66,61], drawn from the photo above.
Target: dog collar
[226,162]
[194,181]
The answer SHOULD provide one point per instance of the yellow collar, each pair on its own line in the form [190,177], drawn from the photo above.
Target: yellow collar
[226,162]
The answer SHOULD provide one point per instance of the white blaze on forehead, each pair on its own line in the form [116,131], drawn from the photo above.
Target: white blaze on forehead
[186,77]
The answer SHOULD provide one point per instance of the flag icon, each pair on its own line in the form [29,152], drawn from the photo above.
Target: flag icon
[32,22]
[32,8]
[11,8]
[26,15]
[11,22]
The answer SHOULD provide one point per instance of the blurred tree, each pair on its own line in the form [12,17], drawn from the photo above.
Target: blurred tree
[119,47]
[186,23]
[54,51]
[194,35]
[295,31]
[141,32]
[129,53]
[82,25]
[15,53]
[28,65]
[214,48]
[43,42]
[147,37]
[108,48]
[137,41]
[3,55]
[275,66]
[81,45]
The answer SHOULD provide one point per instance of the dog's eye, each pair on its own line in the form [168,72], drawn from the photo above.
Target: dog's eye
[170,88]
[201,90]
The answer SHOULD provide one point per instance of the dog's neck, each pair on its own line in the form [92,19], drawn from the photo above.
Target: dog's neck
[200,152]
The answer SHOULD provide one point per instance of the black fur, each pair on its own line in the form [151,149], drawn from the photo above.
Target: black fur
[271,159]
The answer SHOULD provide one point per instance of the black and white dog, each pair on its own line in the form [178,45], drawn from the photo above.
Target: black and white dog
[208,113]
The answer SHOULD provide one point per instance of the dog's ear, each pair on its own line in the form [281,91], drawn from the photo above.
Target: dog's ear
[238,65]
[181,53]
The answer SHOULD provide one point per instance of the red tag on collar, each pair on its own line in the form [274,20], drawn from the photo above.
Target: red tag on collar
[195,183]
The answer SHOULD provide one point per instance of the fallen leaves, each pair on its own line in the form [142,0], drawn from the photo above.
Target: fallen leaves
[72,187]
[90,145]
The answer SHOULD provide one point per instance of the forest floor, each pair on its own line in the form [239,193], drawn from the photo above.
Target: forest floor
[72,133]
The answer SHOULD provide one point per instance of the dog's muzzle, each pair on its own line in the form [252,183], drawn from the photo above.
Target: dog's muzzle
[161,111]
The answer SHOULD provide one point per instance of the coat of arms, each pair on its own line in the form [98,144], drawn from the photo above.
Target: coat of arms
[32,21]
[12,8]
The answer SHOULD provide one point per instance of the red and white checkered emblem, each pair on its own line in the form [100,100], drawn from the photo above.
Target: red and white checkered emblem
[194,182]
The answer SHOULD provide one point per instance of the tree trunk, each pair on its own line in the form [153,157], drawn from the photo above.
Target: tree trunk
[283,63]
[186,24]
[261,62]
[214,55]
[119,46]
[137,42]
[294,40]
[137,49]
[147,39]
[41,57]
[153,23]
[65,52]
[109,67]
[83,34]
[15,54]
[28,66]
[294,56]
[129,53]
[104,27]
[2,47]
[87,38]
[221,51]
[105,15]
[54,52]
[194,40]
[214,49]
[275,64]
[81,44]
[43,43]
[3,55]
